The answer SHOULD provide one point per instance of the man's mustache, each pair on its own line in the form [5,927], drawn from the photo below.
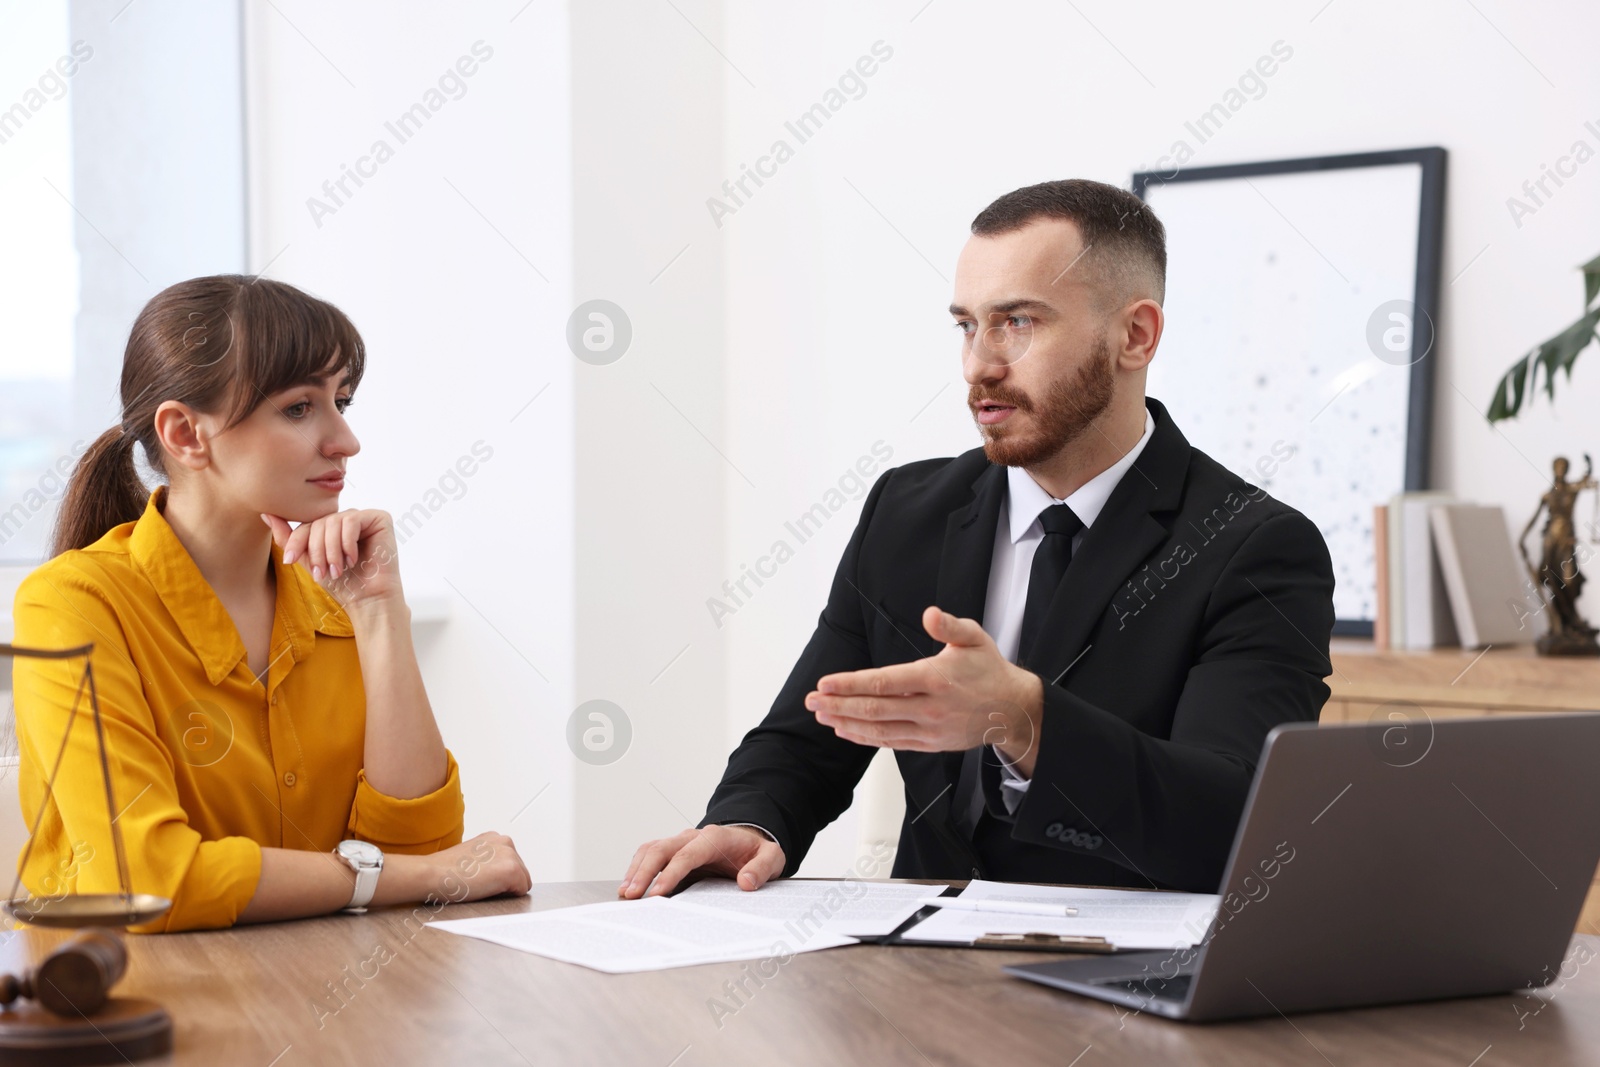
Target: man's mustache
[992,395]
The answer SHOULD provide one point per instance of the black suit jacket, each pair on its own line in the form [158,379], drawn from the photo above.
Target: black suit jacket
[1194,617]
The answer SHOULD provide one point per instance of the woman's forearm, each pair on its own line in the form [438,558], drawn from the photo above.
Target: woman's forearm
[404,754]
[297,884]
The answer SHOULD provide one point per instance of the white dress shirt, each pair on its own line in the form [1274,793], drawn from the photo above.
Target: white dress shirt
[1016,538]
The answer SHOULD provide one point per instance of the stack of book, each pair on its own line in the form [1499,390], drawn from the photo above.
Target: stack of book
[1447,575]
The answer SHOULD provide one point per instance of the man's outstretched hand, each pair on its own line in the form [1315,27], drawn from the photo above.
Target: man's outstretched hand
[967,695]
[738,852]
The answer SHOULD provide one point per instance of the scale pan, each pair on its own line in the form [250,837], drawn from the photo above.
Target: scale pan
[88,909]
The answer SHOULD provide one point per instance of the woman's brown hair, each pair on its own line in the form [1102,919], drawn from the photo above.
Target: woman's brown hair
[220,344]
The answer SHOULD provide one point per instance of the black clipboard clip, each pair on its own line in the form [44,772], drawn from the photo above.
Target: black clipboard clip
[1046,942]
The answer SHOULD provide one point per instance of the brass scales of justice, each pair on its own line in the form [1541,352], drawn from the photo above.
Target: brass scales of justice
[61,1010]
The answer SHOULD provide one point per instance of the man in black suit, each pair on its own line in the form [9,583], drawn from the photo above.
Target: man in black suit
[1076,637]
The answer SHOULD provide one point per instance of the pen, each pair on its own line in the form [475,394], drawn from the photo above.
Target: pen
[1012,907]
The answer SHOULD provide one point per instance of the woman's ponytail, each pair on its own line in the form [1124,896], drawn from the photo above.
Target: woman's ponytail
[103,491]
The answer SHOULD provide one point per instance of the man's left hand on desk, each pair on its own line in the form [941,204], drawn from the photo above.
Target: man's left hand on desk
[967,695]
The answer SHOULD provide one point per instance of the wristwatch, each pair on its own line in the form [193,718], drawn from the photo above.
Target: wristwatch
[366,859]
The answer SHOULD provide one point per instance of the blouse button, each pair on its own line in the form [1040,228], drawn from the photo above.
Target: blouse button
[288,778]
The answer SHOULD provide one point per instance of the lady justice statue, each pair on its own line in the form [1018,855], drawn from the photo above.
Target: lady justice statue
[1557,575]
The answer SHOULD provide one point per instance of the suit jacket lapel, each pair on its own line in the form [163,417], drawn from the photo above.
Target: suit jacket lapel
[969,534]
[963,586]
[1124,533]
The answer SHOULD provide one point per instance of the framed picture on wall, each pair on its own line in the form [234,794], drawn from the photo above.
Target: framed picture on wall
[1301,309]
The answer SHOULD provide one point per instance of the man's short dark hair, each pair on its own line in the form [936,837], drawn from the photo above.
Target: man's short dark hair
[1124,243]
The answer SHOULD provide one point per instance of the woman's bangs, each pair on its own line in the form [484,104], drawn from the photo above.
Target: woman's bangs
[287,339]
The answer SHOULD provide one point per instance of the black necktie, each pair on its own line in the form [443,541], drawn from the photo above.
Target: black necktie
[1049,565]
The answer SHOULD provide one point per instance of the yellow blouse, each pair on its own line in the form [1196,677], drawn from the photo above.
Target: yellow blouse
[208,765]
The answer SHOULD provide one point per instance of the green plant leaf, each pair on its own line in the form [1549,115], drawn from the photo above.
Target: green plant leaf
[1591,280]
[1513,383]
[1558,353]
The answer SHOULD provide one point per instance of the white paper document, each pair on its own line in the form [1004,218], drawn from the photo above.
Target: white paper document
[1128,918]
[858,909]
[712,921]
[641,935]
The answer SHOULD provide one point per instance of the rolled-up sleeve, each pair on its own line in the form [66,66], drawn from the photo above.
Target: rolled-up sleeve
[219,881]
[416,825]
[208,882]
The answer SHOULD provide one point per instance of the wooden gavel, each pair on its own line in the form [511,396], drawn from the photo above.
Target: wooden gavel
[75,978]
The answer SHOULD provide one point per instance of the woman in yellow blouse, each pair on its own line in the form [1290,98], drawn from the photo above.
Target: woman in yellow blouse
[271,746]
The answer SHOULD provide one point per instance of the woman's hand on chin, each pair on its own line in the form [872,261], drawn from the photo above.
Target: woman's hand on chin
[352,554]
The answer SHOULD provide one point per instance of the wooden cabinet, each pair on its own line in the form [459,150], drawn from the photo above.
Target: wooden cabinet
[1370,684]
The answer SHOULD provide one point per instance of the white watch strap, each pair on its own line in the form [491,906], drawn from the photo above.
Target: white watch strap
[366,886]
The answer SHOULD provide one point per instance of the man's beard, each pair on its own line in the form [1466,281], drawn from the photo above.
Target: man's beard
[1067,409]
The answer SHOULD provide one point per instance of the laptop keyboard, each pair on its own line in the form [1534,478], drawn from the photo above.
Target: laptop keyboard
[1175,988]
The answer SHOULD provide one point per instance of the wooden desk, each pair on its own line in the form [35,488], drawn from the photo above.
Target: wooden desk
[260,996]
[1457,681]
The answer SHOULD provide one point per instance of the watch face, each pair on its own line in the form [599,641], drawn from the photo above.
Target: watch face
[364,853]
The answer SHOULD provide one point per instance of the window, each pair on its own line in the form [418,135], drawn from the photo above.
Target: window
[38,276]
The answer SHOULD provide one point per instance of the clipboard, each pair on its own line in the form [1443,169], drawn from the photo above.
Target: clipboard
[1034,942]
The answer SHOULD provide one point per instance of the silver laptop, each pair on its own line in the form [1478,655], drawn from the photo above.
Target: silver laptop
[1384,862]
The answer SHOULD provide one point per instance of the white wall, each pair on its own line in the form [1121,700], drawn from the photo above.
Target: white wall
[582,185]
[160,200]
[647,427]
[777,348]
[837,333]
[438,258]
